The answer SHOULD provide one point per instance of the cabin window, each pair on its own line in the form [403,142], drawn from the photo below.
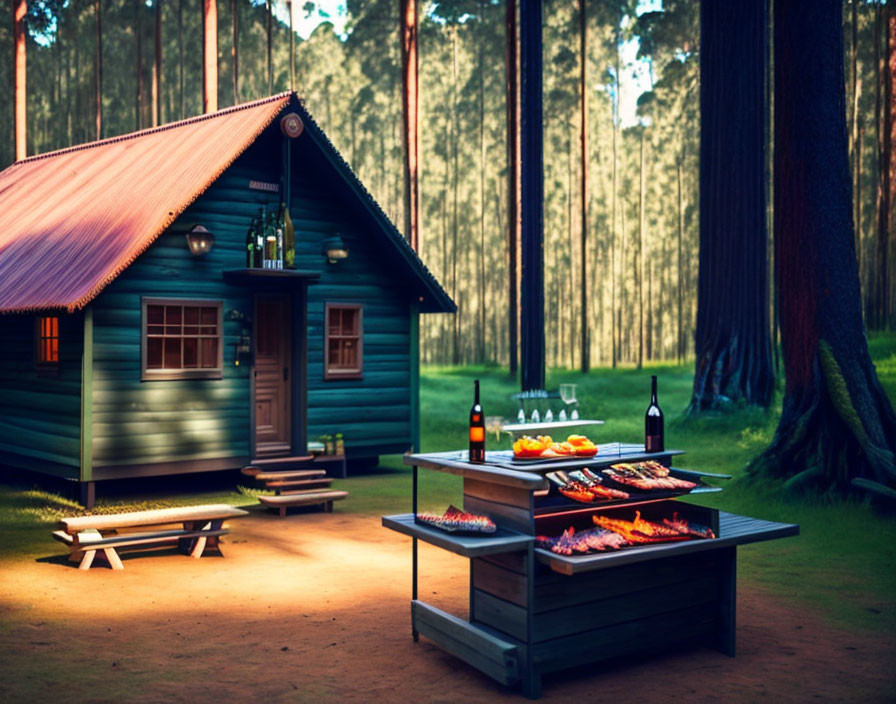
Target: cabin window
[46,342]
[181,339]
[344,354]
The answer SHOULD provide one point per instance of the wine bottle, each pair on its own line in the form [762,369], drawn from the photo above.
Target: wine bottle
[289,241]
[279,225]
[270,241]
[653,422]
[477,429]
[259,239]
[250,245]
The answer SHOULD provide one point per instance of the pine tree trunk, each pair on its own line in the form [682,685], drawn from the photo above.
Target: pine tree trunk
[98,69]
[209,56]
[480,256]
[680,267]
[20,115]
[513,182]
[614,312]
[881,284]
[639,265]
[733,347]
[837,427]
[410,104]
[180,57]
[139,88]
[583,133]
[890,156]
[292,48]
[269,32]
[157,66]
[235,50]
[455,349]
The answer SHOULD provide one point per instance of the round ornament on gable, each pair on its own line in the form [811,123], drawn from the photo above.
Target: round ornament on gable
[291,125]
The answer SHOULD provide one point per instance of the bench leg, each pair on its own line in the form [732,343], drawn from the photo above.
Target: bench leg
[283,512]
[328,507]
[113,558]
[198,547]
[87,560]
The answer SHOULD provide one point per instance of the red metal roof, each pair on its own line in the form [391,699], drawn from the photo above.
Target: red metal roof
[72,220]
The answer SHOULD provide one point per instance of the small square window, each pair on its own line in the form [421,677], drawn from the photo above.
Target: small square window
[344,341]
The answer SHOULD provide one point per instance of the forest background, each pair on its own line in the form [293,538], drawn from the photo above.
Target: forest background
[101,68]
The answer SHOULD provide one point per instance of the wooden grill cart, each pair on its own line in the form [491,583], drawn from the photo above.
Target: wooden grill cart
[533,611]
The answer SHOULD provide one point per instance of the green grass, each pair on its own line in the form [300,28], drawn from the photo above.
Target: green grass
[841,565]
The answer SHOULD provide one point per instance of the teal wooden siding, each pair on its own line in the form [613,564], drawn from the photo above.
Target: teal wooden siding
[374,412]
[40,416]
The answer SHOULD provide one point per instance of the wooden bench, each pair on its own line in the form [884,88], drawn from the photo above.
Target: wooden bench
[86,536]
[303,498]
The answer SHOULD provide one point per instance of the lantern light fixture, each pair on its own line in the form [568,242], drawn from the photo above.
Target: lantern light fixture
[200,241]
[334,249]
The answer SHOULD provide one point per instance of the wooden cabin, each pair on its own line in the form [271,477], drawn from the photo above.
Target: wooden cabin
[125,353]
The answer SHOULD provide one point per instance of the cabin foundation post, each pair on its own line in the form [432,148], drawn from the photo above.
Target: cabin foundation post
[87,494]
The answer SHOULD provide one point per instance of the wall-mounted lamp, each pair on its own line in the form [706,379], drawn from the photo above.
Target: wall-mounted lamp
[242,348]
[200,240]
[334,249]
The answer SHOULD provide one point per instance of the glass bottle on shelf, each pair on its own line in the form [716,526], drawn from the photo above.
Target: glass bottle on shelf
[270,242]
[653,422]
[289,241]
[259,239]
[477,428]
[278,259]
[250,245]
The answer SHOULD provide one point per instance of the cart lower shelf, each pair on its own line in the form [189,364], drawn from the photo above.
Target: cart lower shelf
[529,619]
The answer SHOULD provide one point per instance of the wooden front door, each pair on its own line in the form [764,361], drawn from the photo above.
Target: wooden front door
[273,360]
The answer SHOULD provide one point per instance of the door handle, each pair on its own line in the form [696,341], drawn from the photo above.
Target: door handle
[285,373]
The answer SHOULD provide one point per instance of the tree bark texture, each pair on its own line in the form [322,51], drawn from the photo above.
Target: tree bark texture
[209,56]
[19,10]
[410,103]
[235,50]
[837,427]
[583,138]
[138,88]
[513,180]
[532,166]
[880,304]
[733,349]
[269,32]
[890,128]
[157,66]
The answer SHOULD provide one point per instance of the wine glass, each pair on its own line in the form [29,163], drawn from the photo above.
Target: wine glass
[568,395]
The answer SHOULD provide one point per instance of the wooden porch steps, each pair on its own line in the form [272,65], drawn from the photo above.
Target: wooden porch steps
[303,498]
[280,463]
[283,485]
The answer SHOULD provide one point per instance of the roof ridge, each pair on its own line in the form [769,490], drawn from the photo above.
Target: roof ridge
[153,130]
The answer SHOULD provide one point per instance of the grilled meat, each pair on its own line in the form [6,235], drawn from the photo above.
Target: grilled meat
[646,476]
[455,519]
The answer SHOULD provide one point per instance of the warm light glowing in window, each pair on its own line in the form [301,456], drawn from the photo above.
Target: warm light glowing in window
[48,340]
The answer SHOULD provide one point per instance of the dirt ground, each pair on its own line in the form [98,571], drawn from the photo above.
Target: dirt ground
[315,607]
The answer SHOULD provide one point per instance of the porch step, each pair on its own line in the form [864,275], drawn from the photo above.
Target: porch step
[275,463]
[281,486]
[297,474]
